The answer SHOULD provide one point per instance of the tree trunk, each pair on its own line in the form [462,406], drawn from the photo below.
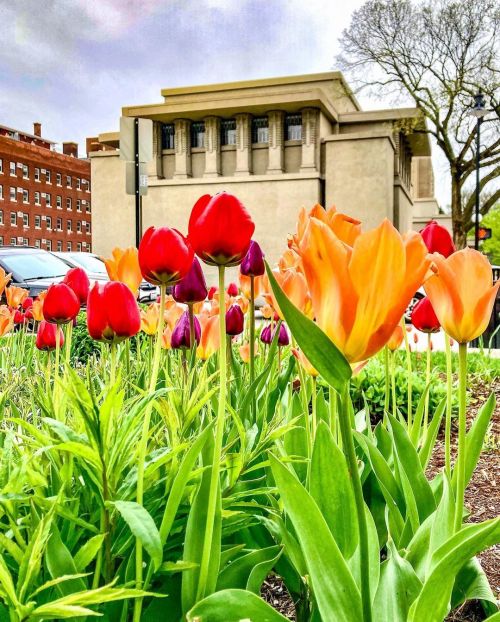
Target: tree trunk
[457,215]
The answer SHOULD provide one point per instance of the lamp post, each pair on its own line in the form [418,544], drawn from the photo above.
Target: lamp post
[478,111]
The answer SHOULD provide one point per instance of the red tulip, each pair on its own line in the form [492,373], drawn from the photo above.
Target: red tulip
[112,312]
[437,239]
[212,291]
[235,320]
[165,256]
[220,229]
[27,303]
[232,290]
[61,304]
[253,262]
[192,288]
[424,318]
[77,279]
[46,336]
[18,317]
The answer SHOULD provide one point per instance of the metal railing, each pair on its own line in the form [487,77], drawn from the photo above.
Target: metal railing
[491,336]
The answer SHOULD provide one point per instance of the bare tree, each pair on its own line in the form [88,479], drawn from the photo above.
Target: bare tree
[440,53]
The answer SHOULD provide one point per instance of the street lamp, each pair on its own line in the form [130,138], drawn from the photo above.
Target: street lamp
[478,111]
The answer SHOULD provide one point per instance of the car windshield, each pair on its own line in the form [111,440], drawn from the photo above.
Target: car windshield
[34,265]
[88,262]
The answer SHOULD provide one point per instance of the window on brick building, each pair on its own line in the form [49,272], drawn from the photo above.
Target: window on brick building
[26,220]
[1,216]
[78,183]
[47,176]
[69,247]
[69,225]
[68,203]
[37,198]
[1,240]
[38,222]
[88,227]
[48,222]
[79,247]
[26,242]
[59,224]
[78,227]
[13,219]
[37,174]
[59,179]
[88,207]
[26,196]
[1,192]
[68,181]
[13,194]
[13,169]
[12,241]
[58,202]
[78,205]
[59,246]
[26,172]
[37,243]
[1,165]
[48,199]
[49,245]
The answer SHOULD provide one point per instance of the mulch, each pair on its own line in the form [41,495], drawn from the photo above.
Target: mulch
[482,500]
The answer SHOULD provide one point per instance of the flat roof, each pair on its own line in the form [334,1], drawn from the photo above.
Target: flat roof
[12,129]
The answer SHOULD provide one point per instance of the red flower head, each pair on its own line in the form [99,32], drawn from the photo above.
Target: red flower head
[212,291]
[437,239]
[19,317]
[46,336]
[112,312]
[232,290]
[77,279]
[424,318]
[27,303]
[165,256]
[60,305]
[235,320]
[220,229]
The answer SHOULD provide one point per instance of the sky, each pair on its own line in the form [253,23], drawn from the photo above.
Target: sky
[73,64]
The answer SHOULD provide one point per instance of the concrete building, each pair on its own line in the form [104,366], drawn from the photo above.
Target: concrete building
[277,144]
[44,195]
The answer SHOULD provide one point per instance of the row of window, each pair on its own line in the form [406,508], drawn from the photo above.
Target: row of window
[80,225]
[260,131]
[13,192]
[20,241]
[80,184]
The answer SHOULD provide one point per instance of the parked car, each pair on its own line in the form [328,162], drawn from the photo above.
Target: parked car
[32,268]
[96,270]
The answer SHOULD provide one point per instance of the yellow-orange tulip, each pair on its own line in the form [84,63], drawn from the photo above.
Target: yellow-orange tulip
[123,266]
[166,338]
[245,351]
[290,259]
[258,282]
[305,363]
[359,294]
[346,228]
[4,280]
[6,320]
[173,314]
[294,285]
[15,296]
[396,339]
[37,308]
[462,293]
[149,318]
[267,311]
[209,341]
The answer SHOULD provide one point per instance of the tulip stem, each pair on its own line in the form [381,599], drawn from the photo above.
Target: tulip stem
[191,326]
[56,369]
[387,380]
[393,384]
[69,336]
[252,341]
[143,445]
[352,463]
[449,390]
[219,432]
[462,409]
[427,386]
[313,409]
[112,372]
[409,379]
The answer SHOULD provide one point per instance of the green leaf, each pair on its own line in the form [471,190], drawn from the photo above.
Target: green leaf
[88,551]
[237,574]
[143,527]
[331,487]
[425,451]
[233,606]
[318,348]
[334,588]
[60,562]
[472,584]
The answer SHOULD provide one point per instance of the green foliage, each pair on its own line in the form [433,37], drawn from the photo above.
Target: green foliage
[492,246]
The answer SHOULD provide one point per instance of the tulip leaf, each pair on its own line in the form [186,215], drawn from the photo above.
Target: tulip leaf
[143,527]
[233,606]
[322,353]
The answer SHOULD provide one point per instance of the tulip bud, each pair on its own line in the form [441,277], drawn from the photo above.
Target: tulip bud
[415,338]
[212,291]
[192,288]
[234,320]
[46,336]
[265,335]
[181,335]
[437,239]
[77,279]
[61,304]
[283,338]
[253,262]
[112,312]
[165,256]
[27,303]
[18,317]
[424,318]
[232,290]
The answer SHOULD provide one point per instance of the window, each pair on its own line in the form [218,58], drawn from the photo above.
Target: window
[48,199]
[25,242]
[293,127]
[1,192]
[78,205]
[58,202]
[59,246]
[1,240]
[13,169]
[26,172]
[49,245]
[37,198]
[68,203]
[38,222]
[198,134]
[37,243]
[47,176]
[78,183]
[59,179]
[12,241]
[88,207]
[37,174]
[13,219]
[13,194]
[26,220]
[168,136]
[26,196]
[1,216]
[228,132]
[68,181]
[69,225]
[79,247]
[260,130]
[69,247]
[87,226]
[48,222]
[78,227]
[1,165]
[59,224]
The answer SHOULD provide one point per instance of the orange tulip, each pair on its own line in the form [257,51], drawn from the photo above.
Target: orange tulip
[173,314]
[267,311]
[37,307]
[258,282]
[166,338]
[396,339]
[462,293]
[347,229]
[245,351]
[359,294]
[6,320]
[304,361]
[149,318]
[15,296]
[123,266]
[210,339]
[294,285]
[4,279]
[290,259]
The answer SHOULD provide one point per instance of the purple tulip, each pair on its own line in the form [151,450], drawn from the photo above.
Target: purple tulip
[192,288]
[265,335]
[283,338]
[181,333]
[234,320]
[253,263]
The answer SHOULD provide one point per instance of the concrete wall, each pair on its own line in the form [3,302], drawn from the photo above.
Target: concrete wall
[359,173]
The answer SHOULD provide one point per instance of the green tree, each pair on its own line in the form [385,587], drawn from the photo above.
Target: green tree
[492,246]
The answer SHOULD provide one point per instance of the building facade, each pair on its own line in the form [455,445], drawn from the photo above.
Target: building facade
[277,144]
[44,195]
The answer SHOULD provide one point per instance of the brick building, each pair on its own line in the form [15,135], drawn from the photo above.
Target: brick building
[44,194]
